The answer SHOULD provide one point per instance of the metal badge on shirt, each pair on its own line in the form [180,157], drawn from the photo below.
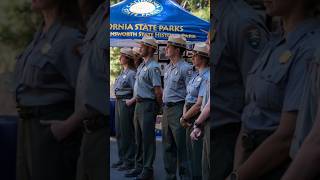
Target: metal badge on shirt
[285,57]
[45,48]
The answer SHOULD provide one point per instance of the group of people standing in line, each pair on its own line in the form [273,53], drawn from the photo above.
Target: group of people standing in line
[140,97]
[263,103]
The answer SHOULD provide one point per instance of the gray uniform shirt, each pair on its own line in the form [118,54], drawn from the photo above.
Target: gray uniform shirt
[125,83]
[197,85]
[46,72]
[148,76]
[310,103]
[92,84]
[276,81]
[240,34]
[176,78]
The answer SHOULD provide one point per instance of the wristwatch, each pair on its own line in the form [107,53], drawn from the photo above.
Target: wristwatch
[234,175]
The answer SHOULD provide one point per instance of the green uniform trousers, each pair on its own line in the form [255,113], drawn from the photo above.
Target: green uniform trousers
[194,150]
[39,155]
[94,156]
[222,146]
[144,122]
[125,131]
[174,143]
[206,152]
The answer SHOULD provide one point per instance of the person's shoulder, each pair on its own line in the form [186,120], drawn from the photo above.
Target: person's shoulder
[70,33]
[132,72]
[185,66]
[242,14]
[154,64]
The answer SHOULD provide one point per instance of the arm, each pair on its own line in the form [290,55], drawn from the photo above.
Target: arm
[158,93]
[204,114]
[194,109]
[305,165]
[239,151]
[272,152]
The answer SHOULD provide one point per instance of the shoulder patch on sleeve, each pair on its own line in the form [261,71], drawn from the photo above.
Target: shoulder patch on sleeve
[253,36]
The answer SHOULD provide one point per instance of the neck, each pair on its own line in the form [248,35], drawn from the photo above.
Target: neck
[147,58]
[49,16]
[201,67]
[175,59]
[292,20]
[125,67]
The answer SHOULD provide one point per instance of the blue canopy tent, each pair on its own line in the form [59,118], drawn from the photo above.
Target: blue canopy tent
[130,20]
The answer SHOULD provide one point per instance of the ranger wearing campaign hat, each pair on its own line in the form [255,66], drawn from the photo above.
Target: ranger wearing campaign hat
[201,49]
[196,91]
[147,94]
[123,90]
[149,41]
[177,40]
[127,52]
[176,77]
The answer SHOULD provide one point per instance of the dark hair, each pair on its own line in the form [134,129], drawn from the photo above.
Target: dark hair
[138,62]
[69,13]
[131,64]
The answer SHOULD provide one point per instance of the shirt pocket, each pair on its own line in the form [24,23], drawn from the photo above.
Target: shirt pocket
[272,87]
[194,91]
[40,71]
[176,81]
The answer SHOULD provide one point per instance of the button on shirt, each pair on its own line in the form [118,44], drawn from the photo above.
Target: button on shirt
[197,85]
[47,70]
[310,103]
[147,77]
[176,79]
[124,83]
[92,84]
[240,34]
[276,81]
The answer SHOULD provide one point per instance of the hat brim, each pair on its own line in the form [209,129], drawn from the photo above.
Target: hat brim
[177,44]
[148,44]
[126,55]
[201,53]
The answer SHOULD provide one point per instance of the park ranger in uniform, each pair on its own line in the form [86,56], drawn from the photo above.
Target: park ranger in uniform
[240,34]
[147,94]
[196,91]
[124,111]
[176,77]
[45,78]
[305,143]
[91,108]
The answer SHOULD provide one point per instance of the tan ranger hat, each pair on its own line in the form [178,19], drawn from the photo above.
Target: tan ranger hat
[177,40]
[127,52]
[149,41]
[136,51]
[201,49]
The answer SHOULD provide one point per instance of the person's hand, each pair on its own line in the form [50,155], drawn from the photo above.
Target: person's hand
[184,123]
[196,134]
[128,102]
[60,130]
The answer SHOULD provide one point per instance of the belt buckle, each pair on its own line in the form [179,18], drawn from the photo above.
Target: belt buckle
[85,126]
